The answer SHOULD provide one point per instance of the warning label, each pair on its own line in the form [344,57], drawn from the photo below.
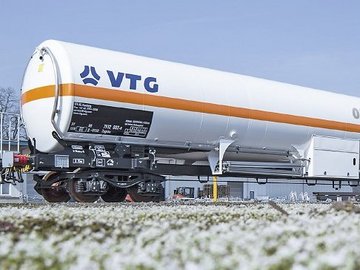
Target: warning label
[100,119]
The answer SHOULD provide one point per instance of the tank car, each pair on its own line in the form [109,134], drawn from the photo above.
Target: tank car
[107,124]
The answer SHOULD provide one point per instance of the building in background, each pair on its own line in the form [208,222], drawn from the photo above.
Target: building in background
[247,188]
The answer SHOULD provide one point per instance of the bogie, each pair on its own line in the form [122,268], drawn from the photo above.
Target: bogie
[77,190]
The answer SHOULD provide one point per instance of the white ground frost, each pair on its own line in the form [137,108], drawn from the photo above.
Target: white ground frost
[179,236]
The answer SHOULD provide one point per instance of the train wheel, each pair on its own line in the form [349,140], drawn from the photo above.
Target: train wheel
[55,193]
[79,196]
[136,197]
[114,194]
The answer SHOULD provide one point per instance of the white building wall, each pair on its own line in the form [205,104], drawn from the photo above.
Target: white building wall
[21,192]
[11,193]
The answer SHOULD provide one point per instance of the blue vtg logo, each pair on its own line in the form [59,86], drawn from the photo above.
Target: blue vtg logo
[93,79]
[150,84]
[90,76]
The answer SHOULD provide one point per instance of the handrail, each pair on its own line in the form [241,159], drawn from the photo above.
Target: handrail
[13,122]
[43,51]
[1,134]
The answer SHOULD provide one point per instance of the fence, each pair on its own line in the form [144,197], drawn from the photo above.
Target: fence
[10,132]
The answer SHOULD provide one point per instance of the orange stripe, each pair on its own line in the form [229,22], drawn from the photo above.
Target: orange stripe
[185,105]
[46,92]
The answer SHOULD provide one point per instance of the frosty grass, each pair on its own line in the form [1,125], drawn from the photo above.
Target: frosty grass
[179,236]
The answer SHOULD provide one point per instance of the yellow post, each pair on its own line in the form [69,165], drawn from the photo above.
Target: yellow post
[215,189]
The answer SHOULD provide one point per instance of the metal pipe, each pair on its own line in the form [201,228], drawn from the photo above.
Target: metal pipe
[18,133]
[215,189]
[43,51]
[278,165]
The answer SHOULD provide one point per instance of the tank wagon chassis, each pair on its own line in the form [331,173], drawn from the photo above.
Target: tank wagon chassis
[85,172]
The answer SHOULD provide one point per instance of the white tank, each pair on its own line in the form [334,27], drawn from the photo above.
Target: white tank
[85,93]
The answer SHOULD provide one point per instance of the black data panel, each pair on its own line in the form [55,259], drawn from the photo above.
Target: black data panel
[107,120]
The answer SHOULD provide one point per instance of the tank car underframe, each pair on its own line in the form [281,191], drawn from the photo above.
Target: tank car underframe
[87,171]
[93,169]
[83,184]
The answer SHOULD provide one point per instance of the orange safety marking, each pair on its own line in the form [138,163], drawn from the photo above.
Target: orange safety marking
[46,92]
[185,105]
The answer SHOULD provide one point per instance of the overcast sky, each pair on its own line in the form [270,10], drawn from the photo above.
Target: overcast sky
[314,43]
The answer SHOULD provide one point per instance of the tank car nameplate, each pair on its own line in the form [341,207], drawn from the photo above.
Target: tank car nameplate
[107,120]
